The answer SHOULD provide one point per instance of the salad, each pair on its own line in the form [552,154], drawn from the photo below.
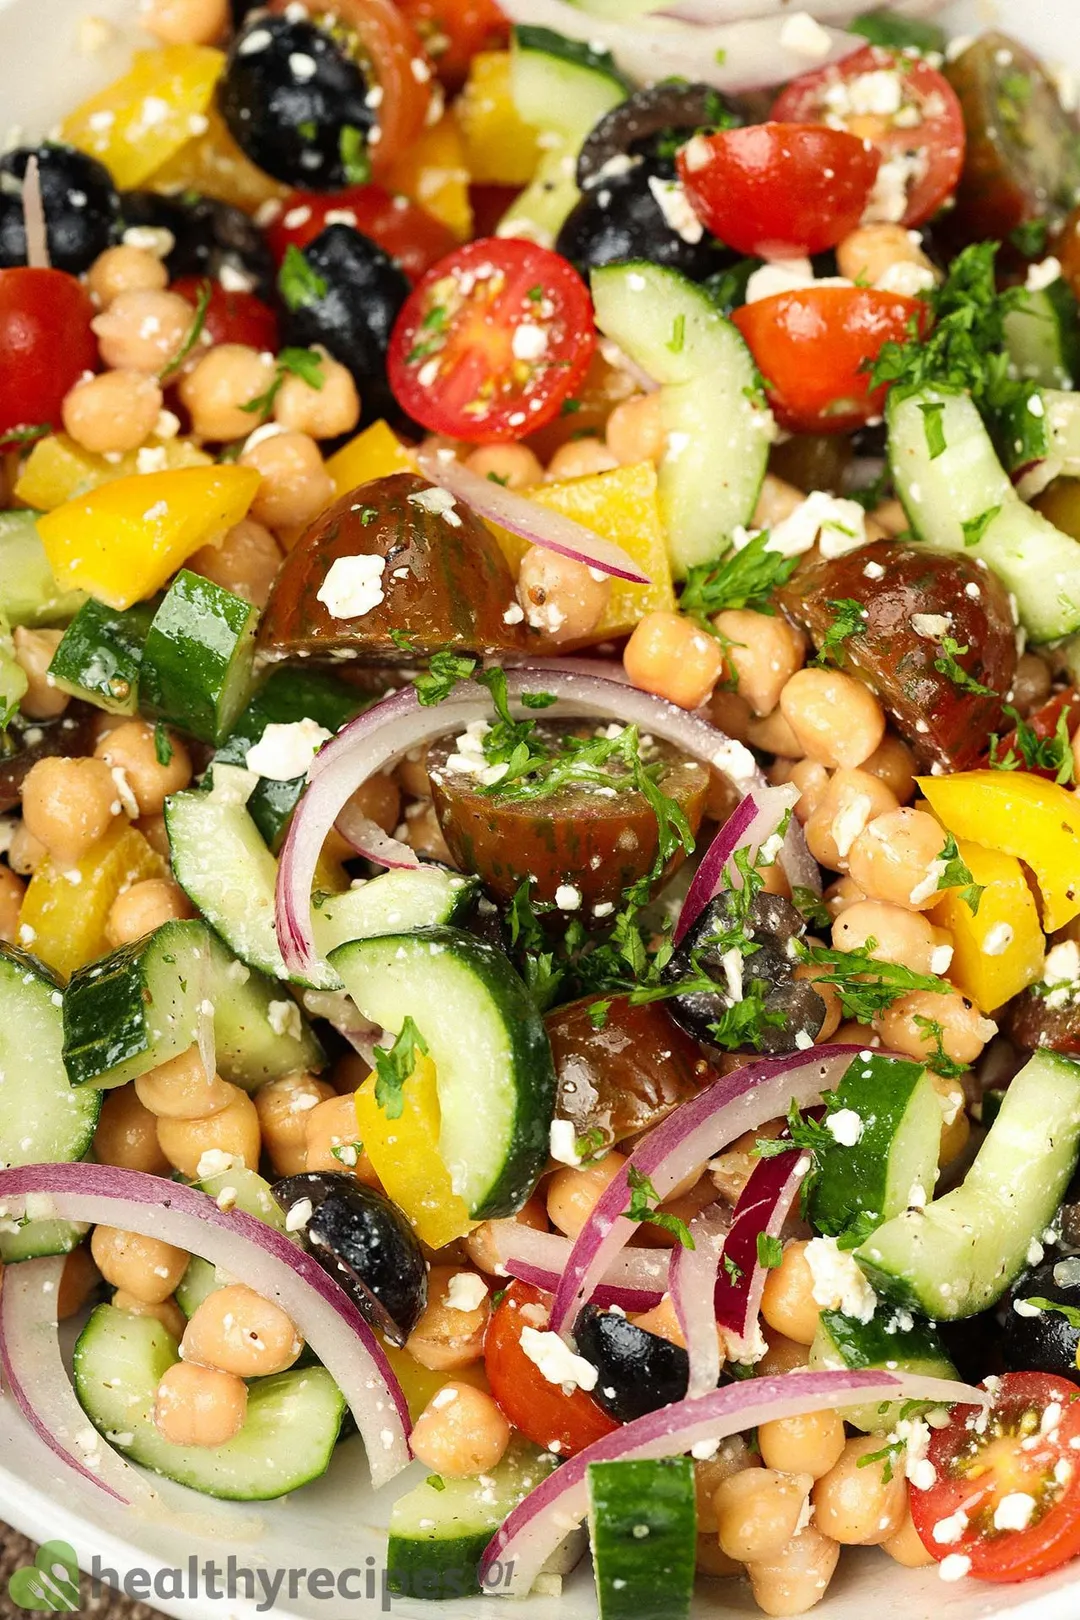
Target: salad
[539,838]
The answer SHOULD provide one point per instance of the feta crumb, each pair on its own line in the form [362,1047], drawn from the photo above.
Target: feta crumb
[841,525]
[465,1292]
[514,614]
[528,342]
[353,585]
[284,1018]
[845,1126]
[439,502]
[285,751]
[1062,965]
[838,1283]
[779,276]
[1014,1511]
[567,898]
[1042,275]
[804,36]
[949,1531]
[998,940]
[562,1142]
[213,1162]
[931,626]
[954,1567]
[672,201]
[298,1215]
[556,1361]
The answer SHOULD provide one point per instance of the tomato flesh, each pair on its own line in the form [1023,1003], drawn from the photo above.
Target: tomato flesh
[45,345]
[1027,1452]
[543,1412]
[232,317]
[412,236]
[453,31]
[491,341]
[778,190]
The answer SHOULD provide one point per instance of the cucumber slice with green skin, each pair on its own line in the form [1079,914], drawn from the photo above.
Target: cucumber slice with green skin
[289,1433]
[257,1034]
[198,658]
[419,897]
[891,1339]
[897,1149]
[957,1256]
[883,26]
[29,594]
[438,1531]
[252,1196]
[1042,338]
[716,423]
[101,653]
[495,1076]
[43,1118]
[13,682]
[966,484]
[643,1529]
[1041,444]
[38,1236]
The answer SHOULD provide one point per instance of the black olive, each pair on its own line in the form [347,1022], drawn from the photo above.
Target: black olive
[1045,1341]
[82,207]
[296,103]
[209,238]
[650,122]
[772,924]
[365,1244]
[349,304]
[621,218]
[639,1371]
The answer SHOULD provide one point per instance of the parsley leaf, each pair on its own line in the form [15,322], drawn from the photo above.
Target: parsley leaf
[298,284]
[643,1199]
[303,363]
[811,907]
[741,579]
[849,619]
[1069,1312]
[598,1014]
[163,748]
[941,1062]
[444,671]
[194,333]
[947,664]
[770,1251]
[1037,753]
[934,428]
[865,986]
[732,1270]
[393,1067]
[352,149]
[957,875]
[886,1456]
[678,334]
[974,528]
[25,435]
[591,1145]
[436,1482]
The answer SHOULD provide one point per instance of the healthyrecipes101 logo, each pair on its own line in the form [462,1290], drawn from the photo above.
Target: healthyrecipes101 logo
[50,1583]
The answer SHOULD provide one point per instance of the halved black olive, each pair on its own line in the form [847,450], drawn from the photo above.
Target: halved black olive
[1044,1341]
[365,1244]
[623,217]
[210,238]
[26,741]
[639,1371]
[652,121]
[82,207]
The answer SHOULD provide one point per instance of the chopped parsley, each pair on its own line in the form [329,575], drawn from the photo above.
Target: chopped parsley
[974,528]
[732,1270]
[643,1201]
[957,875]
[436,1482]
[194,333]
[678,335]
[353,151]
[163,748]
[591,1145]
[1030,751]
[445,669]
[1069,1312]
[298,284]
[744,578]
[598,1014]
[393,1067]
[934,427]
[303,363]
[947,663]
[864,986]
[849,619]
[941,1062]
[1031,237]
[811,907]
[25,435]
[770,1251]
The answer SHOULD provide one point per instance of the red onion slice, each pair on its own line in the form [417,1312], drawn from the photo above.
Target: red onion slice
[693,1279]
[750,826]
[636,1281]
[763,1207]
[37,238]
[737,1102]
[267,1260]
[541,1522]
[368,839]
[535,523]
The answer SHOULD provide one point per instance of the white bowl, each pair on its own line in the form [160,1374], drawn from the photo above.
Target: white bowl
[338,1523]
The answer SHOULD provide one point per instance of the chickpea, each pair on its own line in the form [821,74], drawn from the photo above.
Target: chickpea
[776,501]
[219,385]
[671,657]
[445,1337]
[156,834]
[181,1089]
[380,800]
[423,833]
[412,774]
[782,1356]
[765,652]
[872,250]
[12,890]
[322,412]
[773,735]
[43,699]
[854,1034]
[113,412]
[798,1576]
[788,1303]
[572,1193]
[964,1030]
[842,894]
[758,1511]
[246,562]
[329,1125]
[560,596]
[905,937]
[1031,683]
[283,1106]
[295,483]
[143,1266]
[852,799]
[635,431]
[859,1506]
[663,1321]
[68,804]
[579,458]
[25,853]
[124,269]
[731,1458]
[513,465]
[835,717]
[185,22]
[144,907]
[78,1280]
[894,763]
[480,1243]
[731,713]
[811,1444]
[709,1560]
[199,1406]
[165,1311]
[132,748]
[237,1330]
[460,1432]
[143,330]
[234,1130]
[126,1134]
[897,857]
[906,1547]
[812,779]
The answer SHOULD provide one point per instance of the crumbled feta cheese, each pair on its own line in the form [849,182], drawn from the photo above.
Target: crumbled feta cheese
[907,278]
[1043,274]
[998,939]
[947,1532]
[779,276]
[915,1433]
[298,1215]
[562,1142]
[353,585]
[556,1361]
[1062,965]
[732,962]
[674,204]
[850,820]
[879,93]
[838,1283]
[465,1292]
[284,1018]
[528,342]
[804,36]
[439,502]
[213,1162]
[929,884]
[1014,1511]
[931,626]
[845,1126]
[888,199]
[840,524]
[567,898]
[155,239]
[940,958]
[468,757]
[285,751]
[514,614]
[954,1567]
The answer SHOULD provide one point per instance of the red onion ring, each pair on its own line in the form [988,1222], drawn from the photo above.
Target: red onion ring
[368,839]
[692,1281]
[37,237]
[763,1207]
[749,826]
[636,1281]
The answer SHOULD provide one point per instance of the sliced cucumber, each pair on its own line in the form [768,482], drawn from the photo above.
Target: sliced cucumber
[716,423]
[416,897]
[28,592]
[495,1076]
[883,26]
[198,658]
[33,1236]
[1042,338]
[643,1529]
[891,1339]
[897,1150]
[958,1255]
[289,1433]
[13,682]
[100,655]
[966,485]
[252,1196]
[258,1035]
[1042,442]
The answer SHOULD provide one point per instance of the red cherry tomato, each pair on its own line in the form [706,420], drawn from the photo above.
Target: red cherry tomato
[812,346]
[491,341]
[232,317]
[454,30]
[540,1410]
[412,236]
[1052,723]
[778,190]
[924,130]
[45,345]
[1027,1449]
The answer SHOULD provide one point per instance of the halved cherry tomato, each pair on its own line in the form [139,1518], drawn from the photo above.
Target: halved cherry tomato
[1026,1451]
[542,1411]
[232,317]
[1057,717]
[45,344]
[923,126]
[812,346]
[778,190]
[412,236]
[454,30]
[491,341]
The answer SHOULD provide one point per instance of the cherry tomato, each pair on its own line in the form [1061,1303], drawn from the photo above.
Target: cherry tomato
[812,346]
[454,30]
[922,132]
[491,341]
[778,190]
[232,317]
[45,344]
[1055,719]
[542,1411]
[1024,1457]
[412,236]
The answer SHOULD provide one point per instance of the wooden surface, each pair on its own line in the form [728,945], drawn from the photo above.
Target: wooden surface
[16,1551]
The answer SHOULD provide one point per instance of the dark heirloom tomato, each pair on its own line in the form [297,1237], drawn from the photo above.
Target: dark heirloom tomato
[404,230]
[778,190]
[45,344]
[541,1410]
[28,741]
[1024,1450]
[813,348]
[1035,1023]
[595,841]
[232,317]
[444,585]
[912,598]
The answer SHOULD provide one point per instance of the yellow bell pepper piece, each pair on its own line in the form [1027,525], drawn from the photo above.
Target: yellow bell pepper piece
[420,1383]
[621,507]
[1022,815]
[405,1155]
[433,172]
[136,123]
[1007,911]
[500,149]
[63,914]
[57,469]
[122,541]
[375,453]
[213,165]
